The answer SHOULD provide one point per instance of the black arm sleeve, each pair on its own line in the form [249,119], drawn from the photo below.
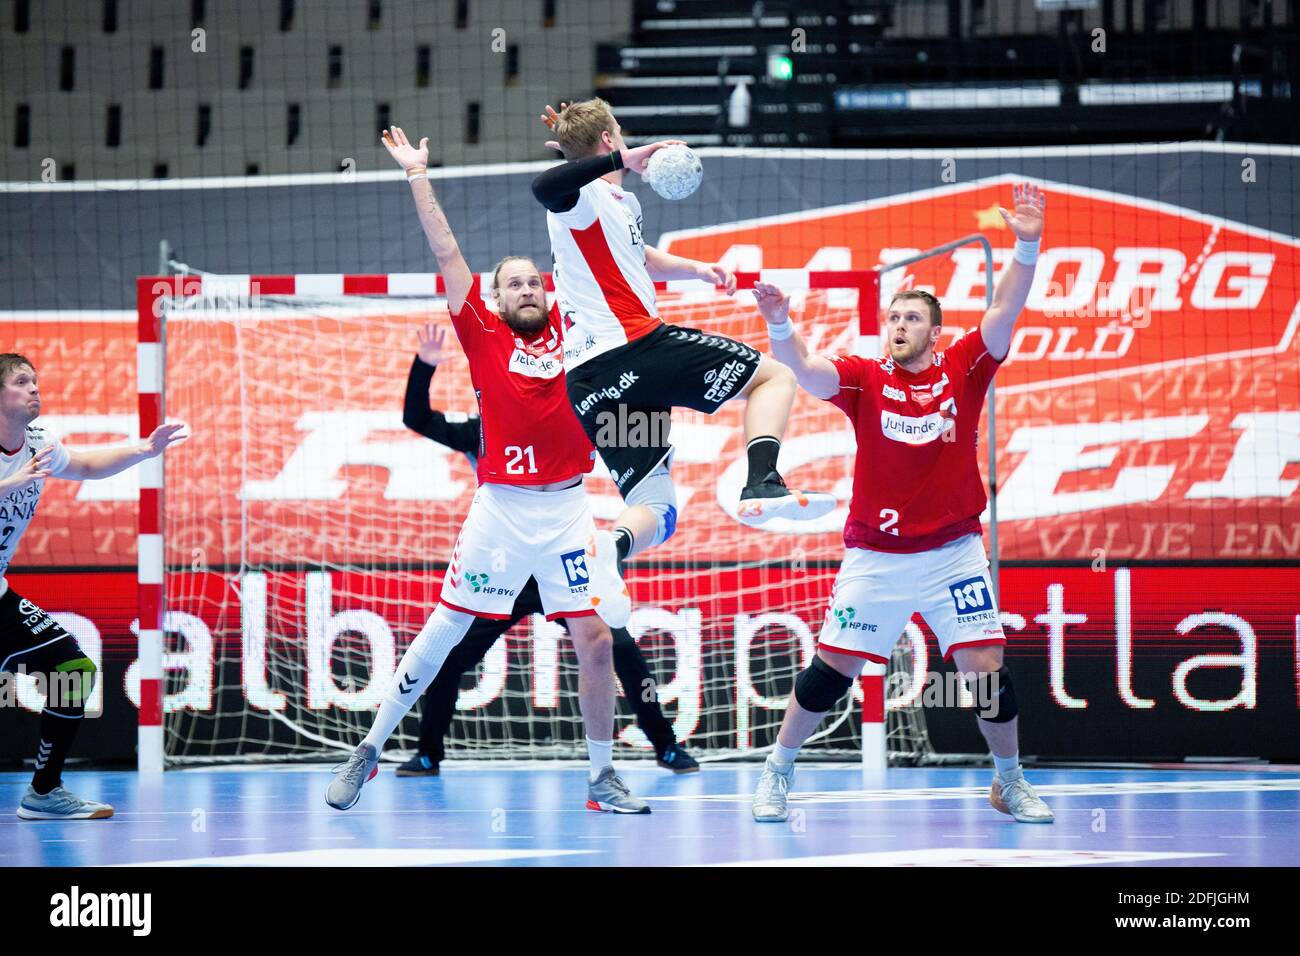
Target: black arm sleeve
[557,188]
[420,418]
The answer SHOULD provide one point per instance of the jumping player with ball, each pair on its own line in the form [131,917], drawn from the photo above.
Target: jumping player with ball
[621,359]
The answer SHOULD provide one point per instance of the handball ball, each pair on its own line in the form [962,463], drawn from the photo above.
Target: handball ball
[674,172]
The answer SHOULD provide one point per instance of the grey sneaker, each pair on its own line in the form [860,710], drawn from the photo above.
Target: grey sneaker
[1018,799]
[60,804]
[345,790]
[771,796]
[607,792]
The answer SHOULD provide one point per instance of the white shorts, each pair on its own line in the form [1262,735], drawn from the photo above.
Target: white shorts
[511,534]
[876,594]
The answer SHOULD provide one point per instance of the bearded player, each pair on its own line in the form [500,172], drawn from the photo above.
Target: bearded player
[32,642]
[440,699]
[913,536]
[529,517]
[622,361]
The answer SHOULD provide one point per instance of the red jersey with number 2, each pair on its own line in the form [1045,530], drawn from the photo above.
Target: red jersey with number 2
[916,481]
[529,434]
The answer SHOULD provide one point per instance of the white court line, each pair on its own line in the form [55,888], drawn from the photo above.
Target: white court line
[1093,790]
[155,839]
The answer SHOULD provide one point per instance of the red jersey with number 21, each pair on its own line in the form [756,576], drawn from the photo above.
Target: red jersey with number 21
[912,490]
[528,434]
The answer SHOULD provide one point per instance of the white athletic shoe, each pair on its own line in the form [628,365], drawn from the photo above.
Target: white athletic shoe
[771,796]
[609,595]
[770,498]
[60,804]
[1018,799]
[351,775]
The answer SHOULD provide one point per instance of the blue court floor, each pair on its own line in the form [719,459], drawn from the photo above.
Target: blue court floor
[533,815]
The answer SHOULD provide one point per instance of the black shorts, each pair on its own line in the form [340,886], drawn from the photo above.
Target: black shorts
[31,641]
[624,397]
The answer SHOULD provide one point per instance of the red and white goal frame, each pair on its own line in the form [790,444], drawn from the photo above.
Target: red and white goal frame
[153,291]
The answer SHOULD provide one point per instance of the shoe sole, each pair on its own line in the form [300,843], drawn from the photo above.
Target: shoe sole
[797,506]
[610,808]
[101,814]
[614,616]
[415,773]
[668,766]
[374,773]
[771,819]
[1000,805]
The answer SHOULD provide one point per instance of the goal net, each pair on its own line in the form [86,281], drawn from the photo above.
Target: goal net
[307,531]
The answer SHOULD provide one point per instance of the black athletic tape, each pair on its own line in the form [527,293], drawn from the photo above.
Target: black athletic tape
[819,686]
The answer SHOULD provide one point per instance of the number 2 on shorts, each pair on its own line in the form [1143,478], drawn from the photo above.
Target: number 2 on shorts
[891,519]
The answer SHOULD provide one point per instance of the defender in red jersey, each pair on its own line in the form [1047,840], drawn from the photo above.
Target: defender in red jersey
[912,541]
[529,518]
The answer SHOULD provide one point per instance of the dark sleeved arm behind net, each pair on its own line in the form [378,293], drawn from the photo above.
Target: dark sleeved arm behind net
[420,418]
[557,188]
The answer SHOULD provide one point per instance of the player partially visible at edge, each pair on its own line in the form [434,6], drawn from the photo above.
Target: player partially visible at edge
[621,359]
[31,641]
[530,516]
[913,537]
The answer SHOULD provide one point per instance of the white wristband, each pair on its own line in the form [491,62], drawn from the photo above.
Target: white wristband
[1026,253]
[781,331]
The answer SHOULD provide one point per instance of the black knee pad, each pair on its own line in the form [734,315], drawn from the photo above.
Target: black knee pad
[999,692]
[819,686]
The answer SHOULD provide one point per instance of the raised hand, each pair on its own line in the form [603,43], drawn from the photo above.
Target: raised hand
[636,159]
[720,277]
[400,148]
[35,468]
[162,437]
[550,118]
[773,304]
[1027,220]
[433,349]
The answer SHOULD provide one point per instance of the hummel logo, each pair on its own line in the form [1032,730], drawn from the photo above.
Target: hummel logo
[403,687]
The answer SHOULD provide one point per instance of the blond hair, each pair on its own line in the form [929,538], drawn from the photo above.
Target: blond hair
[580,126]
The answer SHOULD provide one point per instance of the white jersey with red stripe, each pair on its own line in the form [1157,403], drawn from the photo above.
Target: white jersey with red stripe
[602,286]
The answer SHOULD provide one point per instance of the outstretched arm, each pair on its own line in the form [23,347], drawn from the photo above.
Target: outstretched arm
[106,462]
[1017,278]
[416,413]
[664,266]
[816,373]
[455,271]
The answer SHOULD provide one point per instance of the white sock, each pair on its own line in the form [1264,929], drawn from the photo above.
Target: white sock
[601,755]
[1008,767]
[782,758]
[417,669]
